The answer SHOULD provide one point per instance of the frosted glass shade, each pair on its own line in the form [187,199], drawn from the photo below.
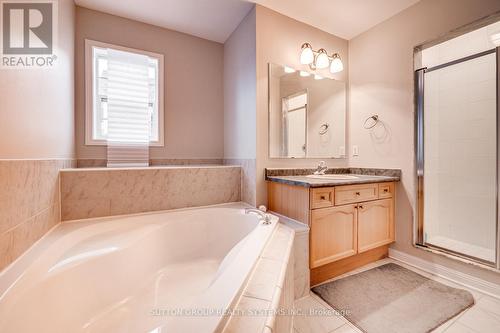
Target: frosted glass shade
[336,65]
[307,54]
[322,60]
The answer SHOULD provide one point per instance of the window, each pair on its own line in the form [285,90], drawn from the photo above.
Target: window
[97,75]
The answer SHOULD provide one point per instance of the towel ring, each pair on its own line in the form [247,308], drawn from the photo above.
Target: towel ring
[323,128]
[375,122]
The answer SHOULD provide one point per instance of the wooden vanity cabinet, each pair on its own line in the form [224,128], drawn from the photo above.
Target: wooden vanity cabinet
[333,234]
[350,225]
[375,224]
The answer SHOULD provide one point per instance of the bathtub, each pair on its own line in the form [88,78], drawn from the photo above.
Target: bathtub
[175,271]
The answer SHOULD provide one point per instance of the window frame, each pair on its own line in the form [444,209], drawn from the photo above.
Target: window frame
[89,91]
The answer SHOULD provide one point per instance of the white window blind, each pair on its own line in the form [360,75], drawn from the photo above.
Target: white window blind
[100,76]
[128,91]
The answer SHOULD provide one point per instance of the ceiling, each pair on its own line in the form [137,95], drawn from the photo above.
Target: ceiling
[216,19]
[209,19]
[343,18]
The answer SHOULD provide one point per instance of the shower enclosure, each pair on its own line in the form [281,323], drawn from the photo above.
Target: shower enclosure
[456,89]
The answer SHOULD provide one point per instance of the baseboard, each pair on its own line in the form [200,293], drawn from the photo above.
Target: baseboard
[329,271]
[452,275]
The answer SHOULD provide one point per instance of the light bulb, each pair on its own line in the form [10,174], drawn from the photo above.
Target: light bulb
[304,73]
[307,54]
[318,77]
[289,69]
[336,65]
[322,60]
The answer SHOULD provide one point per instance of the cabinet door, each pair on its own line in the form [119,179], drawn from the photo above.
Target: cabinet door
[333,234]
[375,224]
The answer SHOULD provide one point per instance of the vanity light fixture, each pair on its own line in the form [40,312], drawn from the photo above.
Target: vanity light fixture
[320,59]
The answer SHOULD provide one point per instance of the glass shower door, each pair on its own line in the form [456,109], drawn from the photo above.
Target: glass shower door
[295,124]
[457,146]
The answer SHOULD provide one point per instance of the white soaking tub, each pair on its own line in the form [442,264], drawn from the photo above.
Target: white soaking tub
[173,271]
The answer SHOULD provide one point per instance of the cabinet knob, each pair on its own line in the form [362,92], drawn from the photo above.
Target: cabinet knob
[360,206]
[386,190]
[322,197]
[357,193]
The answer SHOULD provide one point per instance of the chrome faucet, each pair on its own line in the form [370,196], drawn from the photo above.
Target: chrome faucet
[321,169]
[261,211]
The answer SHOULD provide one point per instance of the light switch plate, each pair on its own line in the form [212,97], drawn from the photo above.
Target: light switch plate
[355,151]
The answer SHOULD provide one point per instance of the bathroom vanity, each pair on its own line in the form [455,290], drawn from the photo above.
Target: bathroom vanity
[350,211]
[350,215]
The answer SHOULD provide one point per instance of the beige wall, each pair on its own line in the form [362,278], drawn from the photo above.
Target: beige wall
[240,103]
[193,84]
[240,91]
[36,105]
[36,141]
[278,41]
[381,81]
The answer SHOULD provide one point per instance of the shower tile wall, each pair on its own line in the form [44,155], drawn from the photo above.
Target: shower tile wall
[29,203]
[460,147]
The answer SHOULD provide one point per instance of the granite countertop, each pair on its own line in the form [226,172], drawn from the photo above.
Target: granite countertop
[363,176]
[314,182]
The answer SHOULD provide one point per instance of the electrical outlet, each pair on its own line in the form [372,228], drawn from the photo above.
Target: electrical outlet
[355,151]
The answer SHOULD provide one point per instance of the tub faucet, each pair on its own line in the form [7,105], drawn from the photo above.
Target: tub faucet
[321,169]
[261,211]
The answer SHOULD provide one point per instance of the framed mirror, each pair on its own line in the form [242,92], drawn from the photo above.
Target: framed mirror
[307,114]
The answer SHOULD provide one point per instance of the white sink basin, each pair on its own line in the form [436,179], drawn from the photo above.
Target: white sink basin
[332,177]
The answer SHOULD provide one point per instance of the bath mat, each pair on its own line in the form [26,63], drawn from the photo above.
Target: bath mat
[391,298]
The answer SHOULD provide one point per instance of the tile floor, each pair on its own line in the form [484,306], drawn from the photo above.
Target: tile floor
[482,317]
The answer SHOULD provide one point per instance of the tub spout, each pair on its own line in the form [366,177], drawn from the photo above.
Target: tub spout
[263,215]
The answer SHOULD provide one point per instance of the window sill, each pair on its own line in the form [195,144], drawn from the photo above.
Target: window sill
[104,143]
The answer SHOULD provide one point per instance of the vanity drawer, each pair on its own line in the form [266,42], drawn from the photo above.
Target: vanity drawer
[385,190]
[355,193]
[322,197]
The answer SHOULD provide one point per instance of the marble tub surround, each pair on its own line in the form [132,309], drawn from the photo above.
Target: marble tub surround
[248,180]
[301,272]
[97,192]
[270,289]
[101,163]
[29,203]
